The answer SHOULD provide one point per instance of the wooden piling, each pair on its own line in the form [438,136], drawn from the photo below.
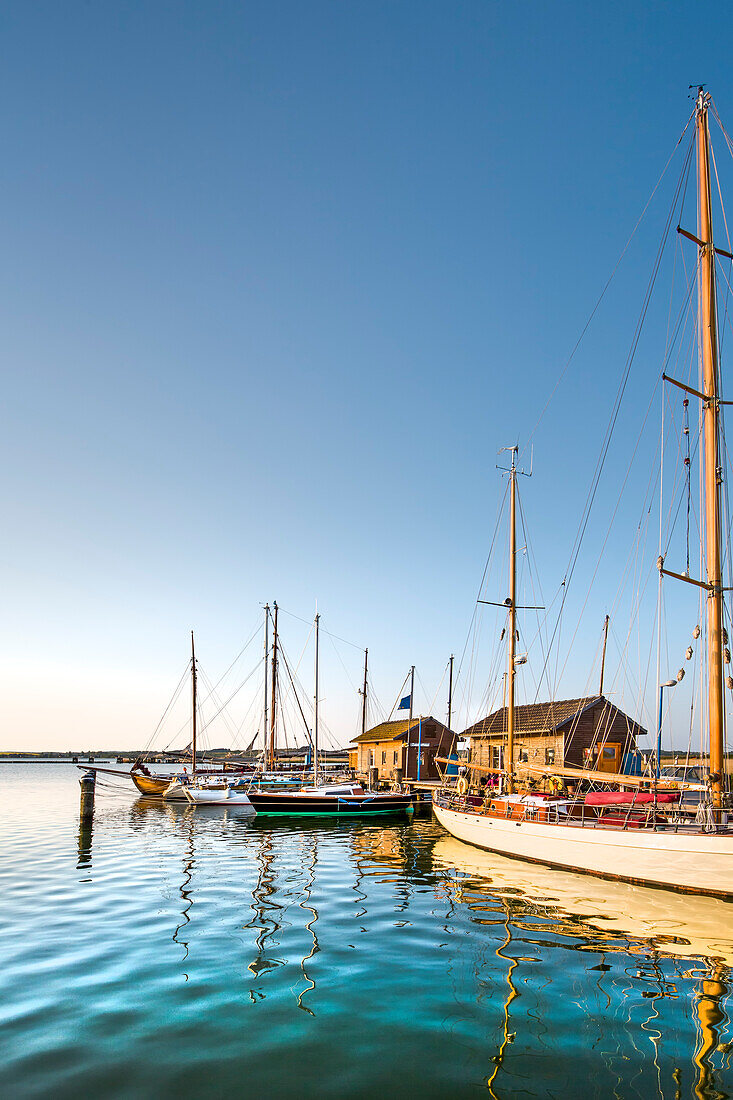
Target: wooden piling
[87,784]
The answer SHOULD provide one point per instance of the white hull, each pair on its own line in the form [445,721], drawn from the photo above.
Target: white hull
[175,792]
[700,863]
[216,796]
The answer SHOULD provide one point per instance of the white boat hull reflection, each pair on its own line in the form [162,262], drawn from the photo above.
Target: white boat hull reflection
[685,926]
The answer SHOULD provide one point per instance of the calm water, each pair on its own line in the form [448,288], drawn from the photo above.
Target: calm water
[173,952]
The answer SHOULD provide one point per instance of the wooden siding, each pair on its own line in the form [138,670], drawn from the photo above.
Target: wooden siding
[434,739]
[598,725]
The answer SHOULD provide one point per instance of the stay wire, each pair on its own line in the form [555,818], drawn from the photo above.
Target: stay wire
[610,278]
[595,481]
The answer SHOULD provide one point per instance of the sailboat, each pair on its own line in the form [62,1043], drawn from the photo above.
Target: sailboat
[172,786]
[327,799]
[632,834]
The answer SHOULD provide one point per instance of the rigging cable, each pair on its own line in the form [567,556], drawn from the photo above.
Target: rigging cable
[605,447]
[610,278]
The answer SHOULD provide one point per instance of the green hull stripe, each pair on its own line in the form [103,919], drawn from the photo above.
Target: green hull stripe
[331,813]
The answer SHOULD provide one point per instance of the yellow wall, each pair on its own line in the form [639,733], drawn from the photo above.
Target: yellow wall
[388,748]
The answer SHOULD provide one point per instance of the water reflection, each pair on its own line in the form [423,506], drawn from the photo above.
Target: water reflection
[266,912]
[508,1036]
[616,913]
[185,890]
[527,970]
[711,1019]
[543,907]
[84,841]
[311,923]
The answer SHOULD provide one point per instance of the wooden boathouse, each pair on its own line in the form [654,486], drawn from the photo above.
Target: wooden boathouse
[589,732]
[404,745]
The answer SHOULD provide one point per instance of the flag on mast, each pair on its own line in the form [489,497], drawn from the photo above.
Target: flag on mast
[405,703]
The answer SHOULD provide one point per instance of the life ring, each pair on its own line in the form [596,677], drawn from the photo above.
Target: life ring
[462,786]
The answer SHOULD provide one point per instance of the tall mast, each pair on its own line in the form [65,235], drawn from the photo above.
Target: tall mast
[271,749]
[193,705]
[711,447]
[450,692]
[603,655]
[412,692]
[315,713]
[364,693]
[267,654]
[512,621]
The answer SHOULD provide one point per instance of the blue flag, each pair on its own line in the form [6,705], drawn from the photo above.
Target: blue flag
[405,703]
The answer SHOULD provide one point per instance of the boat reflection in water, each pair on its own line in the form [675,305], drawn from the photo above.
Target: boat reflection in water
[684,925]
[620,918]
[397,937]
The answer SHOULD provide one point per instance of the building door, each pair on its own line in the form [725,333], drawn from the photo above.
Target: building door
[606,758]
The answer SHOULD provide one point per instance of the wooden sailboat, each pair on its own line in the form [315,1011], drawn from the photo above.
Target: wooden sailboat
[171,785]
[638,840]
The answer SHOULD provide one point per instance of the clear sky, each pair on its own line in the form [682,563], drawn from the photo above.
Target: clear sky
[277,282]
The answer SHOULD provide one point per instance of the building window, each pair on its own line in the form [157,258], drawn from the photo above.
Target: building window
[549,756]
[523,755]
[394,755]
[371,758]
[384,757]
[496,757]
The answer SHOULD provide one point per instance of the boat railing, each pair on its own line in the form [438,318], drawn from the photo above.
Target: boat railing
[648,816]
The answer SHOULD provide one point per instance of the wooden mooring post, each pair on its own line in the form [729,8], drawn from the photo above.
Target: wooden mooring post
[87,783]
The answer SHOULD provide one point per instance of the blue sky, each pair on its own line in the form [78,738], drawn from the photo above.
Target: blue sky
[277,282]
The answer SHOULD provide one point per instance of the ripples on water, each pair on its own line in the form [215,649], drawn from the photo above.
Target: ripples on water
[175,952]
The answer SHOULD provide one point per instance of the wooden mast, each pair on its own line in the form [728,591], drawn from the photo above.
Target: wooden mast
[193,706]
[364,694]
[412,690]
[271,748]
[512,621]
[711,449]
[603,655]
[409,724]
[315,712]
[450,692]
[267,654]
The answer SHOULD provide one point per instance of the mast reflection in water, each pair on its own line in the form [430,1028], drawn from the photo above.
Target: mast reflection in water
[201,950]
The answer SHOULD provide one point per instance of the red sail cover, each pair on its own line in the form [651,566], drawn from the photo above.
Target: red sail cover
[617,798]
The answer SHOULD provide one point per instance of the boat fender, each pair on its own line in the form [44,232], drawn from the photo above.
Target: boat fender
[462,786]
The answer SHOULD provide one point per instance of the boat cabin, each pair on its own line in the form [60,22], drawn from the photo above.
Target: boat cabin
[410,747]
[589,733]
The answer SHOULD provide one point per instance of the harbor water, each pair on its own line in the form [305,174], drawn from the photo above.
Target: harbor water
[164,950]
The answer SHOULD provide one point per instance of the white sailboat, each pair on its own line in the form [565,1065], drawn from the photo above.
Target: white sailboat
[209,794]
[645,840]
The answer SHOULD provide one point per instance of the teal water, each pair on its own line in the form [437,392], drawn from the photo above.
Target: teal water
[180,952]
